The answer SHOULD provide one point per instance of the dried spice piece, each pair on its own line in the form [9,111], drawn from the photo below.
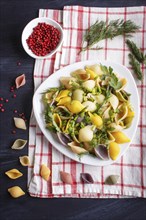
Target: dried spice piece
[45,172]
[86,178]
[112,179]
[13,174]
[100,30]
[16,191]
[66,177]
[20,81]
[20,123]
[136,52]
[19,144]
[24,160]
[136,67]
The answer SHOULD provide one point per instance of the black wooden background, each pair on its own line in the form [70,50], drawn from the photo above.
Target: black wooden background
[15,14]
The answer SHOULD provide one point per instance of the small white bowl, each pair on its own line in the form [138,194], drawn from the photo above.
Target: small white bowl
[29,29]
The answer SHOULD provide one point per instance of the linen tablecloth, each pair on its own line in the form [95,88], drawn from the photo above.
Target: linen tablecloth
[132,166]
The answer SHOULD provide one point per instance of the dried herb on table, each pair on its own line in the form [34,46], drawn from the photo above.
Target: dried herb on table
[137,53]
[136,66]
[100,30]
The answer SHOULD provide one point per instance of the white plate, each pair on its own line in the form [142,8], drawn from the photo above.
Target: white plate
[53,81]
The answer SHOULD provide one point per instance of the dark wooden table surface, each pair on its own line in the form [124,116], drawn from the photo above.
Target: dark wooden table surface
[15,14]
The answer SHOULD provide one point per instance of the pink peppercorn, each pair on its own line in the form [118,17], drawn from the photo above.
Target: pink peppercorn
[13,132]
[6,100]
[43,39]
[1,99]
[15,111]
[2,110]
[14,95]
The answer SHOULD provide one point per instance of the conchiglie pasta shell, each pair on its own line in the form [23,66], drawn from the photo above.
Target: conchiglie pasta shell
[19,144]
[120,137]
[96,69]
[89,84]
[45,172]
[66,81]
[78,95]
[20,81]
[13,174]
[20,123]
[90,106]
[24,160]
[74,107]
[62,94]
[57,120]
[114,101]
[123,111]
[76,149]
[91,73]
[86,134]
[114,150]
[66,177]
[81,74]
[116,127]
[16,191]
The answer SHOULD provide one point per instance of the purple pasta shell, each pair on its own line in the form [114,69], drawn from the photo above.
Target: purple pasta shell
[86,178]
[102,152]
[63,138]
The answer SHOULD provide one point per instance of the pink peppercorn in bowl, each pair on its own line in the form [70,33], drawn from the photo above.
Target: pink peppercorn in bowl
[42,37]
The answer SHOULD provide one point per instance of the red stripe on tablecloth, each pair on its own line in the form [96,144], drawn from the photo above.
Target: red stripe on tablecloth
[123,62]
[141,118]
[32,145]
[85,10]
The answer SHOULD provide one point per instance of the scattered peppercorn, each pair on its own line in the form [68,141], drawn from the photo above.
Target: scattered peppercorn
[14,96]
[43,39]
[13,132]
[2,110]
[6,100]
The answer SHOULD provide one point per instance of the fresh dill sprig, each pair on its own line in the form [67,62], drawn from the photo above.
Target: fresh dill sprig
[100,30]
[137,53]
[136,66]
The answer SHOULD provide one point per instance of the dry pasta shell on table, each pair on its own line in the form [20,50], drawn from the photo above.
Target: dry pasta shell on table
[13,174]
[20,81]
[19,144]
[24,160]
[86,178]
[16,191]
[112,179]
[66,177]
[45,172]
[20,123]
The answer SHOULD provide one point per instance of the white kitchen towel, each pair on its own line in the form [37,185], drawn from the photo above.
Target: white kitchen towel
[132,166]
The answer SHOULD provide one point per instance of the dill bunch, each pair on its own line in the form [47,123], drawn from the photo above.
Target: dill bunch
[136,66]
[137,53]
[100,30]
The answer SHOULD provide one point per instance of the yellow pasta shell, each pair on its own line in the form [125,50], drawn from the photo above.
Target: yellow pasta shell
[91,73]
[120,137]
[13,174]
[96,120]
[114,150]
[64,100]
[62,94]
[57,120]
[75,106]
[16,191]
[45,172]
[24,160]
